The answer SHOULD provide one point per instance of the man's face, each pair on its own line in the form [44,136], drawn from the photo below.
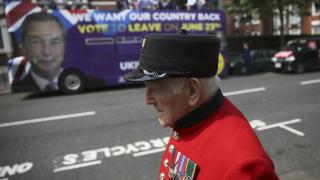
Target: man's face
[169,106]
[44,47]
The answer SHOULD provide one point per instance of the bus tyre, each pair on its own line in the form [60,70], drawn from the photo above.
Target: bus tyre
[72,82]
[299,68]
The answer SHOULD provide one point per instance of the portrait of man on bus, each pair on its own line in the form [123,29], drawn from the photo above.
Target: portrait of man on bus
[43,46]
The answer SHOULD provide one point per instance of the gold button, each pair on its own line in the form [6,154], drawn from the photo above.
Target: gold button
[166,163]
[170,173]
[175,135]
[171,148]
[162,176]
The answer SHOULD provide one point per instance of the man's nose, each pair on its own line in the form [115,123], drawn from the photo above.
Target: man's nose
[148,97]
[47,49]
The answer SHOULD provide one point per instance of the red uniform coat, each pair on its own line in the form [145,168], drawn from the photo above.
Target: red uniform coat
[215,142]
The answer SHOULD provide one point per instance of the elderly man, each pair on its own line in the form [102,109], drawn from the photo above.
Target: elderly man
[211,138]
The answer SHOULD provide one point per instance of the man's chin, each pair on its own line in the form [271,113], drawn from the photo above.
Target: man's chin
[162,122]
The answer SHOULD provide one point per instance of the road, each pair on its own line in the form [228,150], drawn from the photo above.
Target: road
[112,134]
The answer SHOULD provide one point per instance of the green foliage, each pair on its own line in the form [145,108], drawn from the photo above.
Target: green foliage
[266,8]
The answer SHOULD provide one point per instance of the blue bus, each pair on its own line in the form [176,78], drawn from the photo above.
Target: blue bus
[100,46]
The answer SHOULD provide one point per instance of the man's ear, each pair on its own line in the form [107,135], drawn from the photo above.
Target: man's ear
[194,91]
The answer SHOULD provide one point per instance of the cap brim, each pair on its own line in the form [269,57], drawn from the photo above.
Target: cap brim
[139,76]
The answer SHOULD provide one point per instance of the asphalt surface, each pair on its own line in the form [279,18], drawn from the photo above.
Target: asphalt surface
[112,134]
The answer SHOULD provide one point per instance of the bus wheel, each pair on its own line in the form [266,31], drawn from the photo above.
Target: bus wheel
[299,68]
[72,82]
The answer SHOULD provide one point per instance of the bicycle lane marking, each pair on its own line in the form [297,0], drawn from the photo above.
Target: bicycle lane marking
[142,148]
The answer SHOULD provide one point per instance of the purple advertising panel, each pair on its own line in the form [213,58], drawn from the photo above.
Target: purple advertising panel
[74,50]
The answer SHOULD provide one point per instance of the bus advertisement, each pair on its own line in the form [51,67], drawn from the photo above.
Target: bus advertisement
[71,50]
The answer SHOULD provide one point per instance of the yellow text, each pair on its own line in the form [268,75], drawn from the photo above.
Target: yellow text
[192,26]
[93,28]
[212,26]
[144,27]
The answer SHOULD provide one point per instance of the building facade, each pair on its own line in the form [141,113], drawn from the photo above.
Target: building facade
[294,24]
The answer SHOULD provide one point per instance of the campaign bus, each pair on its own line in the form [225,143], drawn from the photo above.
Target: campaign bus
[98,46]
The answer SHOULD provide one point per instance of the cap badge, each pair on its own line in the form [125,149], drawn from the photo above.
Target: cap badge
[154,74]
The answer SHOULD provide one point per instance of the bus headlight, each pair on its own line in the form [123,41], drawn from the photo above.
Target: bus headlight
[290,59]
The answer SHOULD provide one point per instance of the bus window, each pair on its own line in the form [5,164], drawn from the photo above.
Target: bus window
[98,41]
[127,45]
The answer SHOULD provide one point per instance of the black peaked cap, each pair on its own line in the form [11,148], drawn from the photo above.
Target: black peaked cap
[170,55]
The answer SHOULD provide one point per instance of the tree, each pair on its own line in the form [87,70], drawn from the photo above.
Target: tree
[266,9]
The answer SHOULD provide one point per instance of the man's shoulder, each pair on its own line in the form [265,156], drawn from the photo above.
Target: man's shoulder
[25,84]
[231,132]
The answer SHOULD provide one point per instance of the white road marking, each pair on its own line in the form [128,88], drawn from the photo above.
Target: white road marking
[75,166]
[143,148]
[310,82]
[283,126]
[294,131]
[52,118]
[152,151]
[244,91]
[257,123]
[135,149]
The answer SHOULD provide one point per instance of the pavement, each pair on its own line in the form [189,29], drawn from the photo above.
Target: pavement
[4,84]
